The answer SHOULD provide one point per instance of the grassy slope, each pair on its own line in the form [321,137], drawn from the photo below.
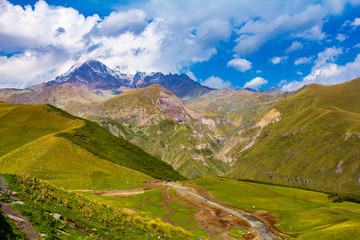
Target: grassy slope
[82,218]
[310,143]
[310,214]
[65,164]
[29,145]
[21,124]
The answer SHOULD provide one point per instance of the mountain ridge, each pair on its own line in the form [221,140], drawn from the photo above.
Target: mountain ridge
[315,145]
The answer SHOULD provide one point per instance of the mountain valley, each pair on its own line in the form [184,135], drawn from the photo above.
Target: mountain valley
[134,133]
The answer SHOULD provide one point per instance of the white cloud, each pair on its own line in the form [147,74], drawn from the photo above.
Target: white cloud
[337,6]
[306,24]
[15,69]
[216,82]
[118,22]
[303,60]
[191,75]
[314,34]
[357,45]
[294,46]
[325,71]
[277,60]
[156,35]
[355,23]
[328,55]
[282,83]
[299,73]
[341,37]
[42,26]
[255,83]
[240,64]
[324,57]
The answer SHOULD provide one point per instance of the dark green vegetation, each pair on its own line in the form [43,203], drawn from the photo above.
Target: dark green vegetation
[8,230]
[82,218]
[306,214]
[4,197]
[316,144]
[106,146]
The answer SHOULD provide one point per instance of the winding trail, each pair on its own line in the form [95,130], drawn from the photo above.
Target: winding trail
[21,222]
[262,230]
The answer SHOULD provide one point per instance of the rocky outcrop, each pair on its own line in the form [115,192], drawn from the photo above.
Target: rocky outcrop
[270,117]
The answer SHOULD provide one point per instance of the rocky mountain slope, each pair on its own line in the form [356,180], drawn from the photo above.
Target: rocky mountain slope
[247,111]
[316,144]
[180,85]
[156,120]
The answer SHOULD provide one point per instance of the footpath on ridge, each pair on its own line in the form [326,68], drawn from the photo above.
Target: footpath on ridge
[21,222]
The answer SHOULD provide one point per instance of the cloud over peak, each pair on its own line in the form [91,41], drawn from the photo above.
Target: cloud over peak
[216,82]
[255,83]
[326,71]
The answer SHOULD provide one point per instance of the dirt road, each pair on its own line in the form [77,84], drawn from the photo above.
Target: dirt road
[21,222]
[262,230]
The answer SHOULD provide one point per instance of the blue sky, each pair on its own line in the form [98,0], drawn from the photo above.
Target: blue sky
[249,43]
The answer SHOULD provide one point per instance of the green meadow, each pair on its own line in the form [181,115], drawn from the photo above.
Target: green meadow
[305,214]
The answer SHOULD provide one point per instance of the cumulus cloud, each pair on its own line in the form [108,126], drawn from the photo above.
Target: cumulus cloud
[240,64]
[306,24]
[282,83]
[216,82]
[42,26]
[326,71]
[337,6]
[15,69]
[341,37]
[117,22]
[255,83]
[315,34]
[277,60]
[328,55]
[294,46]
[303,60]
[355,23]
[156,35]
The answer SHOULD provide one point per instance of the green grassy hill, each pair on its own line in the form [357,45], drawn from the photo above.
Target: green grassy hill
[46,142]
[315,145]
